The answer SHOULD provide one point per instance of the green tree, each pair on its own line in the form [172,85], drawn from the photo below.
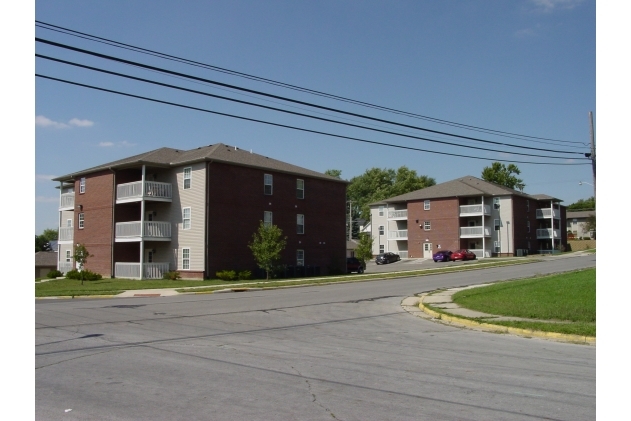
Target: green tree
[81,258]
[363,252]
[334,173]
[590,224]
[42,241]
[583,204]
[267,244]
[501,174]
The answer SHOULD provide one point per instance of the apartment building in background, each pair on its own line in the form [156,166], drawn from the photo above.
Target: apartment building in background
[468,213]
[195,211]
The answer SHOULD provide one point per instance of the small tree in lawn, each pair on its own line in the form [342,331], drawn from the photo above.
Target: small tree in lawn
[363,252]
[267,244]
[81,257]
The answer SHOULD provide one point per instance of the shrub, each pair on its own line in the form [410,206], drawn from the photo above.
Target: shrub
[244,275]
[172,275]
[73,274]
[54,274]
[88,275]
[226,275]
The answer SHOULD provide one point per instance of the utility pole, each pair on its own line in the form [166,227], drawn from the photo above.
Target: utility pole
[350,220]
[592,154]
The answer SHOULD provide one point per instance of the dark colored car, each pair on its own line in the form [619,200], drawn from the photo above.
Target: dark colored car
[388,257]
[442,256]
[354,265]
[463,254]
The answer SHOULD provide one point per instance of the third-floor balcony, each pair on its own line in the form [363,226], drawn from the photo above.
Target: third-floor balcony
[398,214]
[153,231]
[475,210]
[398,235]
[66,201]
[135,191]
[548,213]
[474,232]
[66,234]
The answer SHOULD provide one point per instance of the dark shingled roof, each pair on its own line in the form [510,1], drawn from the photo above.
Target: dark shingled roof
[579,214]
[460,187]
[46,258]
[168,157]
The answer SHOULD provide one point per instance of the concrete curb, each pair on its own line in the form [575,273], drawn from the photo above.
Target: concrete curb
[489,327]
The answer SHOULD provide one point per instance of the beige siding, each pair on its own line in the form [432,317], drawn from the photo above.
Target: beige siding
[377,221]
[504,214]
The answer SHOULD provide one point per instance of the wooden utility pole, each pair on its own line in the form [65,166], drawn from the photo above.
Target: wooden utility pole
[593,150]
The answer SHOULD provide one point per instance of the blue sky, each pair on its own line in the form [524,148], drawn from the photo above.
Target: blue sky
[526,67]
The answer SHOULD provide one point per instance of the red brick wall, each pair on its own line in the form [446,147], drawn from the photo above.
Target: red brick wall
[444,217]
[521,214]
[97,209]
[237,204]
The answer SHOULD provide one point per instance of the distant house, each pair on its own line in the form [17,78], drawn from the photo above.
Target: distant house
[576,224]
[351,246]
[45,261]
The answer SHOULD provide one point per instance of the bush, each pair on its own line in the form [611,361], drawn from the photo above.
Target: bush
[88,275]
[226,275]
[244,275]
[54,274]
[172,275]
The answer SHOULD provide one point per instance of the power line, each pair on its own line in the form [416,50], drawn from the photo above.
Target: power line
[130,47]
[120,60]
[285,111]
[291,127]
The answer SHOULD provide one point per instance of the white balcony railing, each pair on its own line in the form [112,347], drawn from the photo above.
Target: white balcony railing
[480,253]
[65,267]
[473,210]
[403,254]
[473,232]
[547,213]
[66,233]
[398,235]
[398,214]
[152,229]
[132,270]
[66,201]
[152,190]
[548,233]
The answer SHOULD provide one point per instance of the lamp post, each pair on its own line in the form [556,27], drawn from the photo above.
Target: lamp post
[580,183]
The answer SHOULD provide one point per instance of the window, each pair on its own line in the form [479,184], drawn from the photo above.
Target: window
[81,220]
[300,257]
[186,258]
[188,175]
[68,256]
[300,189]
[267,184]
[380,210]
[267,219]
[300,221]
[82,185]
[427,225]
[186,218]
[497,246]
[496,202]
[381,229]
[382,248]
[426,205]
[527,205]
[527,226]
[496,223]
[69,223]
[150,256]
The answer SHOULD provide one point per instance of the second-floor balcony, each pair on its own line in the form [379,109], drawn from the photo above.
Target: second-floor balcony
[398,214]
[548,213]
[474,232]
[475,210]
[398,235]
[548,233]
[66,201]
[151,231]
[152,190]
[66,234]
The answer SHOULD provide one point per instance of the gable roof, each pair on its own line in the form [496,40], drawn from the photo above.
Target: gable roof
[169,157]
[46,258]
[460,187]
[579,214]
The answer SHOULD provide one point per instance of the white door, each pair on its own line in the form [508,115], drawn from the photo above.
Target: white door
[427,250]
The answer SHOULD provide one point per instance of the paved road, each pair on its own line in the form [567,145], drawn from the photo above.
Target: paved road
[338,352]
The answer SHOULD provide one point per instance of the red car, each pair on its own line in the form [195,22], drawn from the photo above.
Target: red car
[463,254]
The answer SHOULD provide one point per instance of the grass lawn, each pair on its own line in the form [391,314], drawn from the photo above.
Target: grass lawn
[567,300]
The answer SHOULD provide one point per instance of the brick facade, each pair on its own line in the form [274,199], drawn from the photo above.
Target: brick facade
[443,216]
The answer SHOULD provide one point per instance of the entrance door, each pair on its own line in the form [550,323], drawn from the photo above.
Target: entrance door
[427,250]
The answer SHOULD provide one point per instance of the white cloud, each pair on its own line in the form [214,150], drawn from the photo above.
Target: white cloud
[124,144]
[550,5]
[45,199]
[127,144]
[81,123]
[42,121]
[106,144]
[44,177]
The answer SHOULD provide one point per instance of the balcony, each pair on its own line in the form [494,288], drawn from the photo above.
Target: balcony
[474,232]
[402,254]
[398,235]
[480,253]
[132,270]
[65,267]
[545,233]
[153,231]
[398,214]
[475,210]
[66,201]
[134,192]
[66,234]
[548,213]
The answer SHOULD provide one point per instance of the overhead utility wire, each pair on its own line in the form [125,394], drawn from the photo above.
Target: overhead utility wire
[294,127]
[130,47]
[282,110]
[120,60]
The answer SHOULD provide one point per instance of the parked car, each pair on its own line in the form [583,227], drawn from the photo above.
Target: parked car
[353,264]
[442,256]
[463,254]
[388,257]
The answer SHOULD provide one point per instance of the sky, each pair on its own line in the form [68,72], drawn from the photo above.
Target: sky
[526,67]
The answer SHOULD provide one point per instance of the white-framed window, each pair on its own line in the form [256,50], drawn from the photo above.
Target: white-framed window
[497,245]
[267,184]
[527,226]
[300,257]
[496,224]
[427,225]
[496,202]
[381,229]
[426,205]
[150,256]
[300,189]
[188,177]
[300,222]
[267,218]
[82,185]
[81,220]
[380,210]
[186,218]
[69,223]
[382,248]
[68,256]
[186,258]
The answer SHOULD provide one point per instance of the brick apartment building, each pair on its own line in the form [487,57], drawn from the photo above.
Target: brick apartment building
[468,213]
[195,211]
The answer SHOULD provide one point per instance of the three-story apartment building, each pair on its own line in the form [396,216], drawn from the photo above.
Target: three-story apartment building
[468,213]
[195,211]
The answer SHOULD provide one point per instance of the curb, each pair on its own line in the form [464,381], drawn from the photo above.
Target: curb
[489,327]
